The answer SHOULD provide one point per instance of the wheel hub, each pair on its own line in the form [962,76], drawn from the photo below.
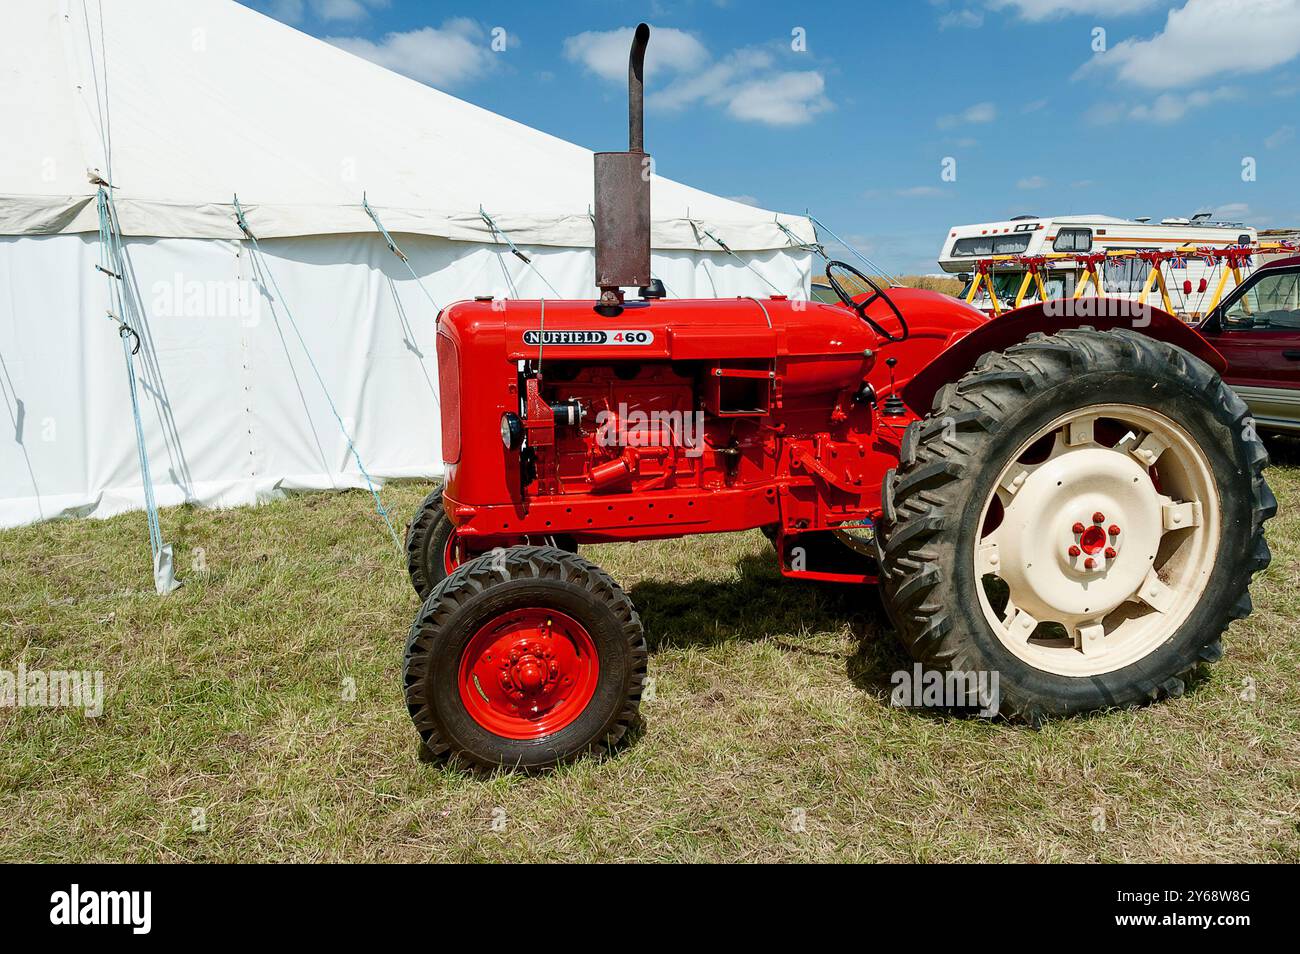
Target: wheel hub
[1094,547]
[528,672]
[1060,565]
[1110,541]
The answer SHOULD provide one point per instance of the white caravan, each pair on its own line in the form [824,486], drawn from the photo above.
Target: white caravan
[1191,280]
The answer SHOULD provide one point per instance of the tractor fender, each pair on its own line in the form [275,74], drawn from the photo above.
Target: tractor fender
[1000,333]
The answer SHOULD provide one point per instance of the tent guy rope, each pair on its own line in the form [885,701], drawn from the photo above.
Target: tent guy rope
[320,379]
[515,251]
[699,227]
[124,308]
[396,250]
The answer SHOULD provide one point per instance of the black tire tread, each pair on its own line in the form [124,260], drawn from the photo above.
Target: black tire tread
[940,449]
[522,562]
[424,526]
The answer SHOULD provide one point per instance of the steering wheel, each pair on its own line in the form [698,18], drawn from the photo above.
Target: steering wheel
[861,309]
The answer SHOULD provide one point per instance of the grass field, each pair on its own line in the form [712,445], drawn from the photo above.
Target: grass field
[231,731]
[945,285]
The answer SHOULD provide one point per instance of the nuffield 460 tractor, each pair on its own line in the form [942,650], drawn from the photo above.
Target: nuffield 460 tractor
[1076,508]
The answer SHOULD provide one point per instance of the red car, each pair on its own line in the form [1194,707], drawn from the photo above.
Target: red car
[1257,329]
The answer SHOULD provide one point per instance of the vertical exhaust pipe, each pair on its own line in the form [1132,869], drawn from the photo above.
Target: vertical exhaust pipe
[636,89]
[622,193]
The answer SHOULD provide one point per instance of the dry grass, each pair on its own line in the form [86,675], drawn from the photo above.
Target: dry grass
[769,699]
[946,286]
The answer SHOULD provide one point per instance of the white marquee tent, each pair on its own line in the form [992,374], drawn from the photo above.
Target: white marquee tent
[181,106]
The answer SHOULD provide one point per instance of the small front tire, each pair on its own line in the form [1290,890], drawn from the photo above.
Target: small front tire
[430,545]
[523,659]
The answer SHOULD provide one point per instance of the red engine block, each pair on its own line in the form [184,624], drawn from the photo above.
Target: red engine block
[667,418]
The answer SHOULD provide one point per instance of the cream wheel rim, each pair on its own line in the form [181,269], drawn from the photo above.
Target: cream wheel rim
[1098,540]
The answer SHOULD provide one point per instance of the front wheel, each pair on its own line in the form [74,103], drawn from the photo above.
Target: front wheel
[431,547]
[1082,515]
[524,658]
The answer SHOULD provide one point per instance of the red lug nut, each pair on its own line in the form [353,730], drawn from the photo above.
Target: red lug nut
[1110,553]
[1114,530]
[1075,551]
[1078,528]
[1089,564]
[1098,517]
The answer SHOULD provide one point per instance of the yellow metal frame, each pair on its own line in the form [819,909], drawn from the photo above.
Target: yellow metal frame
[1037,278]
[985,276]
[1235,272]
[1157,277]
[1091,275]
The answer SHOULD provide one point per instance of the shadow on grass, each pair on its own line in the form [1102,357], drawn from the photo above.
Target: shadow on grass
[763,605]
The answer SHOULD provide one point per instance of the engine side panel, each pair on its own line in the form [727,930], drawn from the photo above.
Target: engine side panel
[696,416]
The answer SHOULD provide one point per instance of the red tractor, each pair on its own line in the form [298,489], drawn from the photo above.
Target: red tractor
[1077,509]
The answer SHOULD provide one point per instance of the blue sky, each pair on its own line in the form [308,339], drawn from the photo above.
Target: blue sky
[1153,115]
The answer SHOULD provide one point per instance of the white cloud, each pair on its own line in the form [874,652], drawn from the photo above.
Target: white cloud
[714,85]
[1165,108]
[444,56]
[293,11]
[979,113]
[785,99]
[747,83]
[1205,38]
[1171,107]
[1032,182]
[1283,136]
[970,19]
[1231,211]
[1038,10]
[342,9]
[605,52]
[290,11]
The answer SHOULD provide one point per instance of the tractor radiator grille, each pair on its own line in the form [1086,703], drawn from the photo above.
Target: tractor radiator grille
[449,392]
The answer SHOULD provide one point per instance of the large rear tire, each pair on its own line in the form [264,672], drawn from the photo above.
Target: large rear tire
[1080,514]
[524,658]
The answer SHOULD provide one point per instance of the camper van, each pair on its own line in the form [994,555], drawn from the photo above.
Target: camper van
[1191,279]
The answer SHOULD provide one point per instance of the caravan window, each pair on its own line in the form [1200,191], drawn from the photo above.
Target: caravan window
[1073,240]
[1125,275]
[990,245]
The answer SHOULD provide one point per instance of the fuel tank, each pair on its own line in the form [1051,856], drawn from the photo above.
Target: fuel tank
[819,339]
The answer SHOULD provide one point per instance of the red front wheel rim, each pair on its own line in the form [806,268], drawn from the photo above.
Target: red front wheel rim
[528,673]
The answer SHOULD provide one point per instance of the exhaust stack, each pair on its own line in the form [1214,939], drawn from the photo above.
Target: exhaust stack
[623,194]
